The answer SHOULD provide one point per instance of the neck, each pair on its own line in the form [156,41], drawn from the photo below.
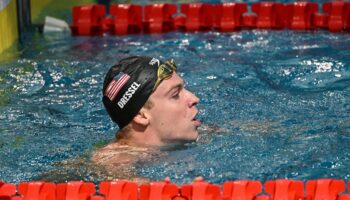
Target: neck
[141,137]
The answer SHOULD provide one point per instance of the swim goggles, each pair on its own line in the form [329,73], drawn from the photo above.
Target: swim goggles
[164,72]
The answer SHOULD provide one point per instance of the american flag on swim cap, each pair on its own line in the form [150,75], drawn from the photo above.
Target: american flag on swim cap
[116,84]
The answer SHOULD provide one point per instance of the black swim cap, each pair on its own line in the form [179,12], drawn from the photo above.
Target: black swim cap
[127,87]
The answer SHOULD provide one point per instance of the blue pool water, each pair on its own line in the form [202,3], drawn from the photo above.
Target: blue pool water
[277,104]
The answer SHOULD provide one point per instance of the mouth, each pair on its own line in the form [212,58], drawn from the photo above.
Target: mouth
[195,121]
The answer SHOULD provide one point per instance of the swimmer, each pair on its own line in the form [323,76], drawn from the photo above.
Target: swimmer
[147,99]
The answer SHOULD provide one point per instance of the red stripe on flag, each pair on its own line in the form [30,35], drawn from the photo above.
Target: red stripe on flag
[119,84]
[109,87]
[114,86]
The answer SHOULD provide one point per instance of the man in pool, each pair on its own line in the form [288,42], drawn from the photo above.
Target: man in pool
[147,99]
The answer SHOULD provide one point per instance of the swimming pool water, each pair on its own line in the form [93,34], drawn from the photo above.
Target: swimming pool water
[277,104]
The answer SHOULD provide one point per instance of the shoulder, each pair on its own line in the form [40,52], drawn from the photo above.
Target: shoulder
[117,161]
[115,153]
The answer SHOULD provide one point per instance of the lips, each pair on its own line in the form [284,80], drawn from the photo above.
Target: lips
[196,121]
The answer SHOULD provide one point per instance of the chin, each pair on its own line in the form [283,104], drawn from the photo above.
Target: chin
[194,136]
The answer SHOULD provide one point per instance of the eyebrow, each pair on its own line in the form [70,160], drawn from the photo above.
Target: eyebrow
[179,85]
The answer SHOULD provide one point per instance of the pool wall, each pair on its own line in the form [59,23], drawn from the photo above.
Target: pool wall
[13,18]
[8,24]
[16,15]
[37,6]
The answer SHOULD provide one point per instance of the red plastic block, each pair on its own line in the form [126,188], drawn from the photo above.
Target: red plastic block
[179,198]
[285,189]
[241,190]
[159,190]
[344,197]
[7,190]
[300,15]
[96,198]
[37,191]
[324,189]
[201,190]
[216,15]
[230,16]
[249,20]
[269,14]
[199,16]
[347,16]
[107,24]
[320,20]
[120,190]
[86,19]
[13,198]
[158,17]
[75,190]
[262,197]
[338,15]
[127,18]
[179,22]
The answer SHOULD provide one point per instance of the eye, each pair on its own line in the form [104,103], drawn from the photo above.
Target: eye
[176,95]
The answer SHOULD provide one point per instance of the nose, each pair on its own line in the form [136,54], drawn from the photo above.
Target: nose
[192,99]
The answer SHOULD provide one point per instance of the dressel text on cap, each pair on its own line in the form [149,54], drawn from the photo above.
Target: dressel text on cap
[128,94]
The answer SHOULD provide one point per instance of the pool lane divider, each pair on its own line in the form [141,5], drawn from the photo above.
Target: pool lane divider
[123,19]
[282,189]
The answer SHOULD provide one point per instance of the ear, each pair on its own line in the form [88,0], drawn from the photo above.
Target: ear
[142,117]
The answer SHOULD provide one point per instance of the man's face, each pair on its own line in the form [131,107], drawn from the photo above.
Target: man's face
[173,113]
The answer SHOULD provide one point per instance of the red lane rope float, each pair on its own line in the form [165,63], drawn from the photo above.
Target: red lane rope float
[37,190]
[158,18]
[87,19]
[324,189]
[127,19]
[164,17]
[75,190]
[242,190]
[7,191]
[199,16]
[283,189]
[339,15]
[159,190]
[229,16]
[270,15]
[201,190]
[300,14]
[119,190]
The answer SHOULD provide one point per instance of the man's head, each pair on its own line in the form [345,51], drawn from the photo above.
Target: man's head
[146,95]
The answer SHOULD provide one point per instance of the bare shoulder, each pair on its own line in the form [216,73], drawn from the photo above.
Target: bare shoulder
[116,154]
[118,160]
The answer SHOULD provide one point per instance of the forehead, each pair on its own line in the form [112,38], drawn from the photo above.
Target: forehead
[167,85]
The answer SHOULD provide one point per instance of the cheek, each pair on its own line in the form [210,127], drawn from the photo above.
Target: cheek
[167,114]
[172,117]
[175,114]
[170,113]
[180,111]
